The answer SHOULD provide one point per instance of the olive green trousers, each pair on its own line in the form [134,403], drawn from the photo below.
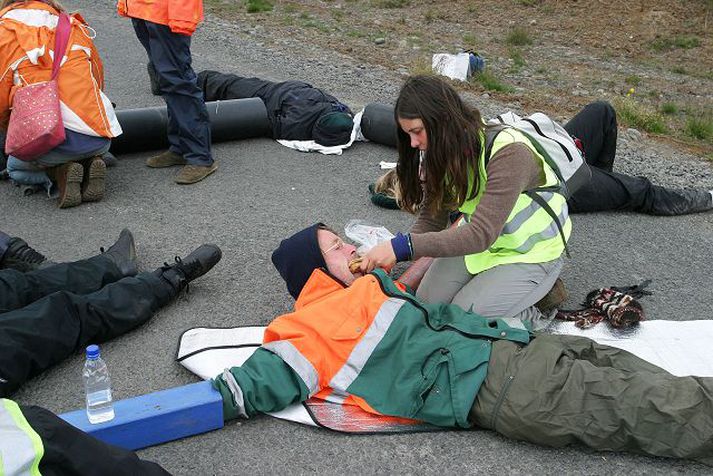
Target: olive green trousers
[561,389]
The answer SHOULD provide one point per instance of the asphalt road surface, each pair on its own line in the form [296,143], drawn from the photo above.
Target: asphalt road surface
[261,193]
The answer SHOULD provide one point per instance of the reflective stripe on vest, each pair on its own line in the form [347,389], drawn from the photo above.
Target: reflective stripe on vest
[352,366]
[20,446]
[529,235]
[363,350]
[299,363]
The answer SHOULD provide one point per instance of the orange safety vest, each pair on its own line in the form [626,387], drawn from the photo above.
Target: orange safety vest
[26,55]
[181,16]
[377,347]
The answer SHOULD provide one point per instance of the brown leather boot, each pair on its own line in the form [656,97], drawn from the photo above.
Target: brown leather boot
[69,181]
[93,184]
[556,296]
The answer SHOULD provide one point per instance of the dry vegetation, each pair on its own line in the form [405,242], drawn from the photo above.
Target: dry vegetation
[654,60]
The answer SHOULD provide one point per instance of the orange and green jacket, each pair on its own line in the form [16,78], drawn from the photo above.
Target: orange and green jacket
[375,346]
[26,55]
[181,16]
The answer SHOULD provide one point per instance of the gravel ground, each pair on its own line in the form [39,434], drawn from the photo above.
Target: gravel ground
[264,191]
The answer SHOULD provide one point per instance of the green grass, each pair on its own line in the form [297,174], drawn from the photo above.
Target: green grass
[636,115]
[518,62]
[668,108]
[683,42]
[632,80]
[390,3]
[469,39]
[518,36]
[258,6]
[679,70]
[700,127]
[491,83]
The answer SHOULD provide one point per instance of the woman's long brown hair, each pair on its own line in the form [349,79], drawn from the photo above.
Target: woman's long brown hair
[52,3]
[453,133]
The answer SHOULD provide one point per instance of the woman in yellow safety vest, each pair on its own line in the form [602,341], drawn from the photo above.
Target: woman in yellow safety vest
[505,254]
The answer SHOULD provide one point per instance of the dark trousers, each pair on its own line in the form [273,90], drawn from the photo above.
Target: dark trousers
[48,314]
[4,243]
[596,127]
[68,450]
[188,123]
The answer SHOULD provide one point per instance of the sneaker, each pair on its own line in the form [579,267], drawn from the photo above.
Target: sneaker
[165,159]
[69,182]
[153,79]
[123,253]
[93,183]
[556,296]
[185,270]
[195,173]
[21,257]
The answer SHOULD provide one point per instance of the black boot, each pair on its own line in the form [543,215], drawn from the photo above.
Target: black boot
[123,253]
[21,257]
[195,265]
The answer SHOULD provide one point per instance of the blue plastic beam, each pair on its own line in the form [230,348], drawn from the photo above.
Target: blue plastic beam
[157,417]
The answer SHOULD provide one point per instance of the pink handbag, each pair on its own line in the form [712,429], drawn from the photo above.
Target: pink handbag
[36,125]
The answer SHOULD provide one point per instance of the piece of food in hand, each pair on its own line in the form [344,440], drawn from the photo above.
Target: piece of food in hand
[355,265]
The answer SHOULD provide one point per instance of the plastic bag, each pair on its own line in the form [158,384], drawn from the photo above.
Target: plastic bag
[366,235]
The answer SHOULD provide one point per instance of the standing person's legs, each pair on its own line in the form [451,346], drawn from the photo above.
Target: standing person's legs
[509,290]
[564,389]
[188,123]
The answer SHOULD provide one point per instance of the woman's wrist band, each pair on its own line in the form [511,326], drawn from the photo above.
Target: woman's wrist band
[403,249]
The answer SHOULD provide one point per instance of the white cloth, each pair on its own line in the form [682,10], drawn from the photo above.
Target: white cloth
[312,146]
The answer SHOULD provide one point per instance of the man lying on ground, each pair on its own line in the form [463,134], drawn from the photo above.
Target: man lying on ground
[363,340]
[296,110]
[50,313]
[596,128]
[54,311]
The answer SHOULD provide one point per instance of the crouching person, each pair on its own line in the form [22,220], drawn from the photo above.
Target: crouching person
[36,441]
[363,340]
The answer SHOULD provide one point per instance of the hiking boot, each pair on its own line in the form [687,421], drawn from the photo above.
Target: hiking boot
[21,257]
[165,159]
[123,253]
[69,182]
[93,183]
[195,173]
[556,296]
[185,270]
[153,79]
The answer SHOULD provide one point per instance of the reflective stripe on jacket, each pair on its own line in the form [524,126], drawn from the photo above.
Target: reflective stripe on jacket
[530,234]
[26,55]
[21,447]
[181,16]
[375,346]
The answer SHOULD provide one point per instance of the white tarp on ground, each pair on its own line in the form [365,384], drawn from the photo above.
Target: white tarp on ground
[680,347]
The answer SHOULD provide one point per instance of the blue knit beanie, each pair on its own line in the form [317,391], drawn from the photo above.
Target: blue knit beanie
[296,258]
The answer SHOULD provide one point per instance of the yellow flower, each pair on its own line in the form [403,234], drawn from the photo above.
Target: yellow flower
[631,91]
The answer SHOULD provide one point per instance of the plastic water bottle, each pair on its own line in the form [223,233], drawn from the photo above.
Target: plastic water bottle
[97,386]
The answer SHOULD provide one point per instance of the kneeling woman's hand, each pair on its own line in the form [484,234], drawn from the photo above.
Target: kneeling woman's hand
[380,256]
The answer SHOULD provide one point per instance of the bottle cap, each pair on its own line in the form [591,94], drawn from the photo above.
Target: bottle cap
[93,351]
